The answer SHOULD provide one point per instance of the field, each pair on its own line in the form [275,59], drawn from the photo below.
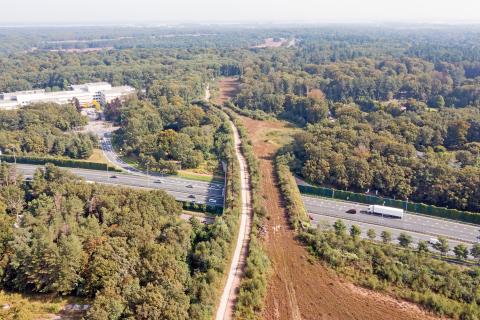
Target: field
[299,287]
[98,156]
[272,43]
[228,88]
[38,307]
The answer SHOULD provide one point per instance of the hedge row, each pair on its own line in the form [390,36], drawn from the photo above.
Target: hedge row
[217,248]
[297,213]
[254,114]
[422,208]
[253,288]
[58,162]
[202,207]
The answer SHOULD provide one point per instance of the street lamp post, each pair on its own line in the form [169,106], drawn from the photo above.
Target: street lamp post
[148,179]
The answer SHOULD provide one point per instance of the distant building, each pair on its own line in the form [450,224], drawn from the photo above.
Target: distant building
[101,92]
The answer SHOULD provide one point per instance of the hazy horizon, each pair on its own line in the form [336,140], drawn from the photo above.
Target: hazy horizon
[108,12]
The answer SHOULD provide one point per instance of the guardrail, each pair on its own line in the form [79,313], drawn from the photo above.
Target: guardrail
[431,210]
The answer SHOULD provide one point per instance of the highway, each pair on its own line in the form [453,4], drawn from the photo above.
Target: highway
[182,189]
[420,227]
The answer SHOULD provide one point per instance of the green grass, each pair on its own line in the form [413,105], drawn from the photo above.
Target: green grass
[199,177]
[185,174]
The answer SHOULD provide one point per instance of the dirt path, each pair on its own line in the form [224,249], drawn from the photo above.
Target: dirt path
[299,288]
[226,307]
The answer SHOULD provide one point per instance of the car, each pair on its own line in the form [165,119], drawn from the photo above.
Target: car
[28,178]
[352,211]
[191,196]
[212,200]
[114,177]
[433,241]
[189,186]
[157,181]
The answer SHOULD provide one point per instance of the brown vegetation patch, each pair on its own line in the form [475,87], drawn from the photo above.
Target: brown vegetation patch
[229,86]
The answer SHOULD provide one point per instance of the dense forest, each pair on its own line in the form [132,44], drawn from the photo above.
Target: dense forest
[390,111]
[127,249]
[426,156]
[43,130]
[403,102]
[168,136]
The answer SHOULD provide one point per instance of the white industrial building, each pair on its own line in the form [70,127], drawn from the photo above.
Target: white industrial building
[101,92]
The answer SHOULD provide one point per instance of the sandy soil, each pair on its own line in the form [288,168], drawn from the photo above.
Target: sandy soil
[271,43]
[299,288]
[228,88]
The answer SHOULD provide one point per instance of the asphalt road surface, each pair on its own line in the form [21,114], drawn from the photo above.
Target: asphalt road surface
[410,222]
[182,189]
[325,212]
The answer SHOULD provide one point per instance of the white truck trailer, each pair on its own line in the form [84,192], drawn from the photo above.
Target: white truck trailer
[386,211]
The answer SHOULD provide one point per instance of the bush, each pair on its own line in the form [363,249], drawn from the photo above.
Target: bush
[253,287]
[293,199]
[58,162]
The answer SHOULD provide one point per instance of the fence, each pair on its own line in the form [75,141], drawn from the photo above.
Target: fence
[422,208]
[58,162]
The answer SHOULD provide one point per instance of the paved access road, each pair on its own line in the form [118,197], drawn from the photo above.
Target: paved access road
[419,226]
[182,189]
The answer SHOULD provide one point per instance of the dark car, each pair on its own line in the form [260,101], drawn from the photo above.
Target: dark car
[114,177]
[191,196]
[189,186]
[352,211]
[158,181]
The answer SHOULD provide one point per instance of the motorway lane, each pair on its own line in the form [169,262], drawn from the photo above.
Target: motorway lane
[410,222]
[184,190]
[323,221]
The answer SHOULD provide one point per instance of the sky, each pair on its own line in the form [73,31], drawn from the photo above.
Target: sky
[167,11]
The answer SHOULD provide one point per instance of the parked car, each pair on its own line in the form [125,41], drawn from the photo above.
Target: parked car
[191,196]
[352,211]
[189,186]
[158,181]
[114,177]
[433,241]
[212,201]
